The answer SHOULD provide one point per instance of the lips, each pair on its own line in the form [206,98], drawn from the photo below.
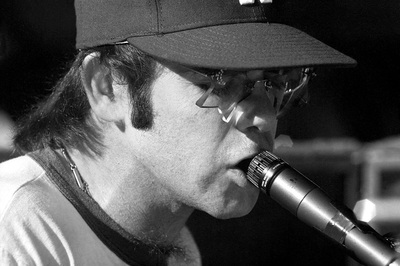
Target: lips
[244,164]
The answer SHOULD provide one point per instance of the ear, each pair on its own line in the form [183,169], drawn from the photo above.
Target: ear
[103,95]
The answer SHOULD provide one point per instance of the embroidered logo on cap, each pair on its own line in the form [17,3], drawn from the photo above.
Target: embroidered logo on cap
[250,2]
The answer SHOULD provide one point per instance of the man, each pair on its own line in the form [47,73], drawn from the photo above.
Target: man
[159,115]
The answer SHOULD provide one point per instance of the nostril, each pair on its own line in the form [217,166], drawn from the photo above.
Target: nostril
[253,129]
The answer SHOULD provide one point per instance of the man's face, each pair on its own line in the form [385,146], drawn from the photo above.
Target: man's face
[194,155]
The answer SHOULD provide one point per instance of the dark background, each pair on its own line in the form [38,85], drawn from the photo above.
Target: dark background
[37,38]
[362,104]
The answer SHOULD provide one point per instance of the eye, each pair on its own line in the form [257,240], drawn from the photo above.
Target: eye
[204,86]
[220,91]
[265,84]
[233,86]
[200,81]
[248,86]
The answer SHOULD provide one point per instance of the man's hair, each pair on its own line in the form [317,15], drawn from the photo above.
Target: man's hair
[63,118]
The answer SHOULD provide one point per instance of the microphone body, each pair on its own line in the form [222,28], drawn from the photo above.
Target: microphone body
[293,191]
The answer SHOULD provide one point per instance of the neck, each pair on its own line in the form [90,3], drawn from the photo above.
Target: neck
[132,197]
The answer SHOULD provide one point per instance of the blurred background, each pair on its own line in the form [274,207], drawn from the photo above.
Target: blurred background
[346,140]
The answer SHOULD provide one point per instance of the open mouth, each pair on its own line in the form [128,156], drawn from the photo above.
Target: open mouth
[244,164]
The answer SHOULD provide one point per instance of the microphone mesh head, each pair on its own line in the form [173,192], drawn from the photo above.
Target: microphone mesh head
[258,166]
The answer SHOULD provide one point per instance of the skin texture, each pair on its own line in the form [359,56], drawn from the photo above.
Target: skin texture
[151,181]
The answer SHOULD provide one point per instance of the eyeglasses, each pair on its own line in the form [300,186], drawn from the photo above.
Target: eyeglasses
[226,89]
[285,88]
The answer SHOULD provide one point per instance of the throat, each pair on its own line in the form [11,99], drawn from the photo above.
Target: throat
[158,226]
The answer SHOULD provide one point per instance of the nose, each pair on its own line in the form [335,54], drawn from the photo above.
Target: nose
[256,111]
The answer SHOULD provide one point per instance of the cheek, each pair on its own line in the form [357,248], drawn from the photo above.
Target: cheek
[179,123]
[188,142]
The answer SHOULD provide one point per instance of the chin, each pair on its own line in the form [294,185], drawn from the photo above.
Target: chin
[236,208]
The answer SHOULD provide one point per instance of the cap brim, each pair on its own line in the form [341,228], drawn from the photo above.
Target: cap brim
[242,46]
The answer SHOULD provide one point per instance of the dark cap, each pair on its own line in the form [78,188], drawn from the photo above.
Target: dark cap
[203,33]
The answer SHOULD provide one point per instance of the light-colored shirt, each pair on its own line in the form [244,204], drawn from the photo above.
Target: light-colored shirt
[39,225]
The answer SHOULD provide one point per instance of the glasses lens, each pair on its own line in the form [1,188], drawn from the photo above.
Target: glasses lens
[226,91]
[285,89]
[296,90]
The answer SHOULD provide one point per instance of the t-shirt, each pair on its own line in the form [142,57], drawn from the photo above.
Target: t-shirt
[50,222]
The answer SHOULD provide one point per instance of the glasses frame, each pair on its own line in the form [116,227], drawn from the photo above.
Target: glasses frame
[307,73]
[215,76]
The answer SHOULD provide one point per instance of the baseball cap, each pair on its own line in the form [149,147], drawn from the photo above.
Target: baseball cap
[203,33]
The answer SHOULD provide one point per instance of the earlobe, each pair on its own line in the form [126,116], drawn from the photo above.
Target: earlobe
[97,81]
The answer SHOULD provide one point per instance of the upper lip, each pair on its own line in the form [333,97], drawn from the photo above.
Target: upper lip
[250,152]
[244,163]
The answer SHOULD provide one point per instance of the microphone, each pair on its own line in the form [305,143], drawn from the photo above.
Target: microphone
[295,192]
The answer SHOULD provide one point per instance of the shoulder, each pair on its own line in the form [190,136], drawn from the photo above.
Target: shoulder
[23,193]
[39,226]
[27,200]
[22,166]
[15,174]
